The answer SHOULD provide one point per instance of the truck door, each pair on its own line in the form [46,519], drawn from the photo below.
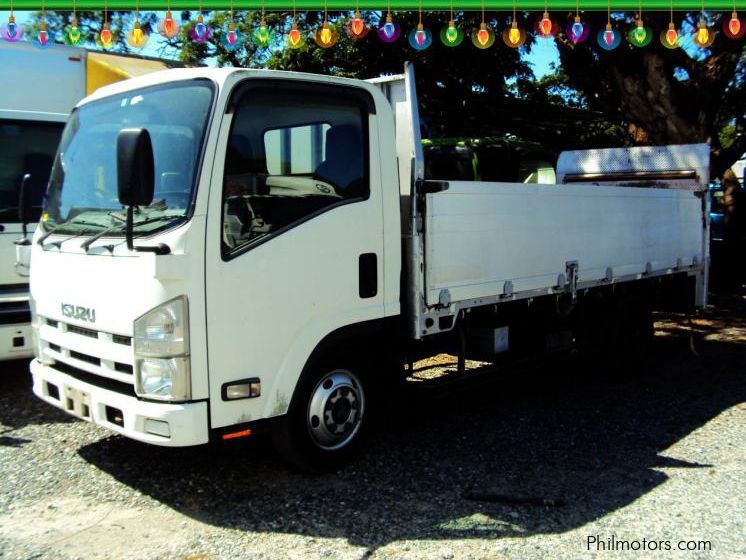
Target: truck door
[295,235]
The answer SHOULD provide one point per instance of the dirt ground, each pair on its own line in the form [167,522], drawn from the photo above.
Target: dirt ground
[568,458]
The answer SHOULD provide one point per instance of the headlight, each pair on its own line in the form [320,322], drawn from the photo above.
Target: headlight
[161,344]
[165,379]
[163,331]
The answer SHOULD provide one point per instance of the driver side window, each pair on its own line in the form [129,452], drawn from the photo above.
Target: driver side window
[291,155]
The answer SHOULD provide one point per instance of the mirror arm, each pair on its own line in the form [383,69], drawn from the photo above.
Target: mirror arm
[128,227]
[24,207]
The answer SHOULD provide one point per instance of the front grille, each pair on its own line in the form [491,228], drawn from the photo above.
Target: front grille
[123,368]
[81,331]
[103,357]
[85,358]
[119,339]
[97,380]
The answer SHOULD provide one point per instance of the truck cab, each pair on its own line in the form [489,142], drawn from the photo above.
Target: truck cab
[28,141]
[248,165]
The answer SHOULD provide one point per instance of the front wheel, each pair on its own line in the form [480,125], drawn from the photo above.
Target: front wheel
[327,419]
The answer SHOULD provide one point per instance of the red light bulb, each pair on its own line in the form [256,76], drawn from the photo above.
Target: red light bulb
[357,25]
[294,36]
[105,36]
[671,35]
[734,25]
[420,35]
[483,36]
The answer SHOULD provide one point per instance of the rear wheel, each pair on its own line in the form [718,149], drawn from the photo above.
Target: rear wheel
[327,420]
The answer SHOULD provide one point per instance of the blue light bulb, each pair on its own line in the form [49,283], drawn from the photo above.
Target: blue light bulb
[577,29]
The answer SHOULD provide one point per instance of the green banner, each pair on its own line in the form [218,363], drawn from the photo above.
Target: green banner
[339,5]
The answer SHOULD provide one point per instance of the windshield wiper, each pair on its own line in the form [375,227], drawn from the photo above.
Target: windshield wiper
[88,242]
[44,237]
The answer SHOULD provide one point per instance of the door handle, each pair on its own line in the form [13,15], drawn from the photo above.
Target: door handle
[368,275]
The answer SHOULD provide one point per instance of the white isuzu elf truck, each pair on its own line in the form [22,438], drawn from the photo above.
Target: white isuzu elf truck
[224,252]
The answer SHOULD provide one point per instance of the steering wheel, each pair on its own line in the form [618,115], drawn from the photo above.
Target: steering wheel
[174,199]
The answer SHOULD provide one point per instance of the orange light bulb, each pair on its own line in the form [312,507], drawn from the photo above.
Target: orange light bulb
[734,25]
[546,24]
[169,25]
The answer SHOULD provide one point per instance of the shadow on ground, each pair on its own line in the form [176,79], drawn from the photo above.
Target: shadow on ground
[477,460]
[18,405]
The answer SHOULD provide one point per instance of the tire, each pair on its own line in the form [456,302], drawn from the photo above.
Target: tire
[328,419]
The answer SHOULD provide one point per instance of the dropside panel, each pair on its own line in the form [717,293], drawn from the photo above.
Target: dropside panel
[489,239]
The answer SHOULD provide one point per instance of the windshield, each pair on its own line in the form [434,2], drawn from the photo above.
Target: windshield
[83,185]
[26,147]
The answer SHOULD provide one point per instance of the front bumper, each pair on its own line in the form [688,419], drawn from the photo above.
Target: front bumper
[187,424]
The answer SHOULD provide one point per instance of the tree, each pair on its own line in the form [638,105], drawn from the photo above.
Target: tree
[458,90]
[665,96]
[648,95]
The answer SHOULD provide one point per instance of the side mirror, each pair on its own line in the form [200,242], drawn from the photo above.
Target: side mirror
[24,207]
[135,173]
[135,167]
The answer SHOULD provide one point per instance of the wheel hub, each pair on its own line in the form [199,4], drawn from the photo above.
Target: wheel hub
[335,410]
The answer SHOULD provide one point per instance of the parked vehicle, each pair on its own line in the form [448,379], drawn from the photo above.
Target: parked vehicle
[490,159]
[727,232]
[227,251]
[33,110]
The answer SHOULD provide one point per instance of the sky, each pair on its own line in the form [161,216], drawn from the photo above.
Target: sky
[543,54]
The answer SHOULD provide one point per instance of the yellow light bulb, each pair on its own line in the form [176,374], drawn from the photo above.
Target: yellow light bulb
[514,35]
[326,34]
[703,34]
[137,35]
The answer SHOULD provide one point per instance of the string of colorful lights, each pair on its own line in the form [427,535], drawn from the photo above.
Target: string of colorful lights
[419,38]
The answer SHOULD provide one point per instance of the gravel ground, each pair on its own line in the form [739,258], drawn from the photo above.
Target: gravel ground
[528,463]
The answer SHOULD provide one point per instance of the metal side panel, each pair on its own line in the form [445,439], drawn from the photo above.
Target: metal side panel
[493,240]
